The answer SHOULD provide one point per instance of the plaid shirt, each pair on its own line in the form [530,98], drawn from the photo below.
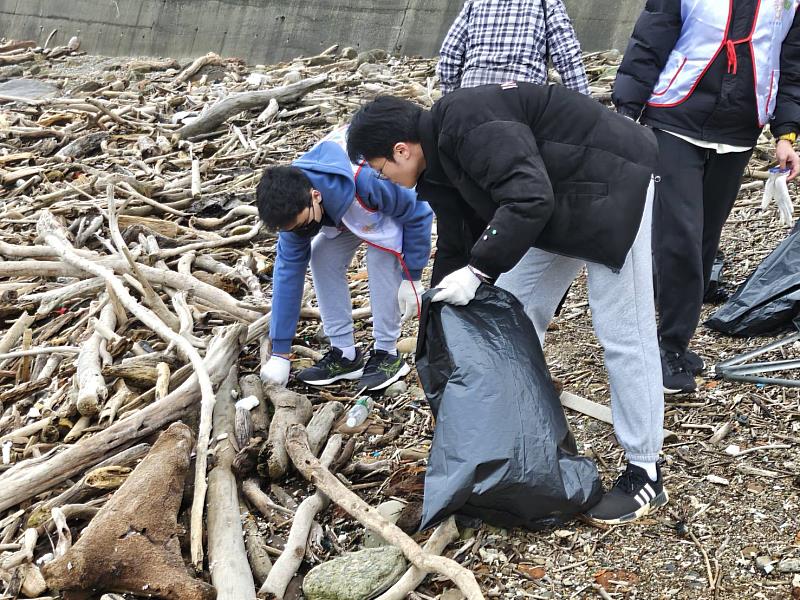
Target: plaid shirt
[493,41]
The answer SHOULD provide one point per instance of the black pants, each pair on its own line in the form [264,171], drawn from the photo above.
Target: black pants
[693,200]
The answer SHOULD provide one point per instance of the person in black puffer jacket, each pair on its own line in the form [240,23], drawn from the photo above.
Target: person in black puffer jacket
[530,183]
[707,76]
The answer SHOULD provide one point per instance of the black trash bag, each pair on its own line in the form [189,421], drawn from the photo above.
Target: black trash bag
[768,301]
[502,450]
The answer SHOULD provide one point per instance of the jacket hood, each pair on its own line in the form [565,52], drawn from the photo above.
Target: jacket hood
[328,168]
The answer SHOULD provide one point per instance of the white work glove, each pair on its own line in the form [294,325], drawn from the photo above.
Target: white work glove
[408,296]
[457,288]
[776,188]
[276,370]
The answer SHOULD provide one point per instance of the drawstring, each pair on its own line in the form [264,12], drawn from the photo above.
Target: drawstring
[730,46]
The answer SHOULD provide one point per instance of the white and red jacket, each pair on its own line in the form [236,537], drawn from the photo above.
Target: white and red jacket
[714,69]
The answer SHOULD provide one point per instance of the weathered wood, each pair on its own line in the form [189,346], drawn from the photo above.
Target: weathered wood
[29,478]
[295,549]
[290,408]
[227,558]
[132,544]
[321,423]
[310,467]
[596,411]
[236,103]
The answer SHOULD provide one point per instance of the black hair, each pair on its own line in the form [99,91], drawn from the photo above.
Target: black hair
[281,195]
[379,125]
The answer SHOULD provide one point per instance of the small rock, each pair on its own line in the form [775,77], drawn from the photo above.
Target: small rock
[789,565]
[394,390]
[391,510]
[302,363]
[718,480]
[291,77]
[355,576]
[416,393]
[765,564]
[348,52]
[407,345]
[750,551]
[369,70]
[32,89]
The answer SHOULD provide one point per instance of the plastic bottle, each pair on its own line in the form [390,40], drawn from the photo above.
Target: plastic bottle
[360,411]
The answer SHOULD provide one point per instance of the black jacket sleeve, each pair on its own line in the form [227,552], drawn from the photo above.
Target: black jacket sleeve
[502,158]
[654,36]
[787,104]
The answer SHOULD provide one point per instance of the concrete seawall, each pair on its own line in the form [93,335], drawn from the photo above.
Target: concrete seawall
[262,31]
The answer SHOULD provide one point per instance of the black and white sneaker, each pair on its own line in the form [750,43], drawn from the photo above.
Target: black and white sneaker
[693,362]
[383,369]
[677,378]
[633,496]
[333,367]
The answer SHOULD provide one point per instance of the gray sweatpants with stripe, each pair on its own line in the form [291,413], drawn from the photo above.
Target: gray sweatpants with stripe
[623,315]
[330,258]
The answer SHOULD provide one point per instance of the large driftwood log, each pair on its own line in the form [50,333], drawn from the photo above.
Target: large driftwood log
[310,467]
[227,558]
[290,408]
[236,103]
[132,545]
[295,549]
[34,476]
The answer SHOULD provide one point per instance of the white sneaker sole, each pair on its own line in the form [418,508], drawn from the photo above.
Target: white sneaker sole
[673,392]
[348,376]
[645,510]
[402,372]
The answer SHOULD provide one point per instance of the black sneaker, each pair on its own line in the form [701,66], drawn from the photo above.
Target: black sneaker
[383,369]
[677,379]
[693,362]
[333,367]
[633,496]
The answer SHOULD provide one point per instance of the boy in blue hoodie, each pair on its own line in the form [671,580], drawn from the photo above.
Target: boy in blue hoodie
[325,207]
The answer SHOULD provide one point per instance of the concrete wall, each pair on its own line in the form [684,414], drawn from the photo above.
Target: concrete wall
[262,31]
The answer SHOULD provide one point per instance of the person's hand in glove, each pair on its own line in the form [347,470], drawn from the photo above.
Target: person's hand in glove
[458,287]
[276,370]
[777,189]
[408,296]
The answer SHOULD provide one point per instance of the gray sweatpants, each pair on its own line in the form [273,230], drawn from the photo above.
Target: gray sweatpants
[330,258]
[623,316]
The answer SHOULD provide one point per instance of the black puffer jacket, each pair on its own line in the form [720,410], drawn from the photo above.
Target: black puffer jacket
[722,109]
[533,166]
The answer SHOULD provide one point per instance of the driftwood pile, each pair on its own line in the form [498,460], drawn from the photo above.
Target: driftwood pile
[134,303]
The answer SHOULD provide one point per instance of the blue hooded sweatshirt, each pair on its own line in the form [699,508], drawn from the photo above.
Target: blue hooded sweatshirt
[328,168]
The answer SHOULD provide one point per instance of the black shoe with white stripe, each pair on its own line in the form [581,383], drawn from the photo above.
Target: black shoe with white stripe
[633,496]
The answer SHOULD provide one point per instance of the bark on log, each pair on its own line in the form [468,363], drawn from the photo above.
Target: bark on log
[32,477]
[290,408]
[311,469]
[132,545]
[227,558]
[236,103]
